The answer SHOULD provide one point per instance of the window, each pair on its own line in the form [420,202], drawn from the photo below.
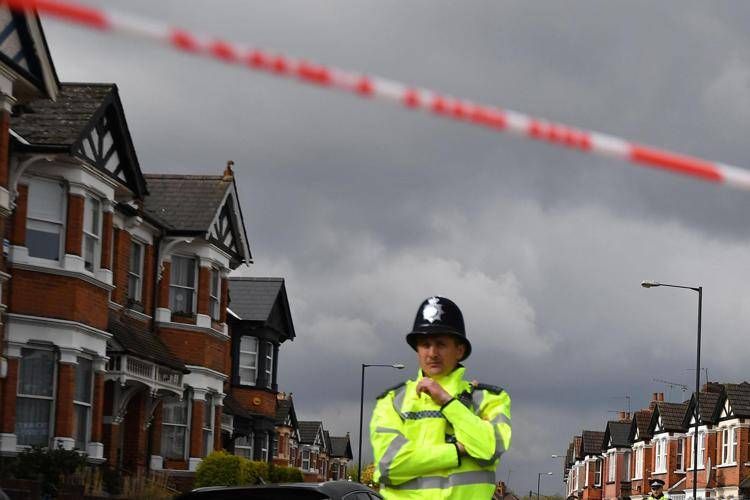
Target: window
[598,472]
[292,456]
[214,297]
[638,463]
[208,426]
[305,459]
[269,364]
[275,446]
[248,367]
[82,402]
[182,285]
[335,471]
[174,427]
[680,454]
[92,230]
[135,272]
[611,466]
[264,448]
[626,466]
[701,450]
[44,221]
[660,451]
[728,445]
[324,468]
[243,446]
[578,483]
[36,389]
[586,477]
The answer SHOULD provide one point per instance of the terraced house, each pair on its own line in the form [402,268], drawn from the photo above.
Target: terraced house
[660,443]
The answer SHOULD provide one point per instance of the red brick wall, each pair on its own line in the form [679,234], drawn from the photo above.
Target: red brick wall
[97,408]
[217,427]
[196,348]
[266,401]
[64,402]
[64,298]
[224,300]
[147,290]
[164,285]
[204,276]
[196,428]
[74,226]
[120,264]
[18,229]
[8,398]
[135,442]
[106,240]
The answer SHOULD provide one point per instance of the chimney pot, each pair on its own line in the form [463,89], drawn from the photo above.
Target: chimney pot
[228,173]
[661,396]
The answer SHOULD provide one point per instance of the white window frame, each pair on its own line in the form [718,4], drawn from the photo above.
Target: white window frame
[174,286]
[214,295]
[638,463]
[51,399]
[701,450]
[598,466]
[83,404]
[660,455]
[264,445]
[611,466]
[95,237]
[137,274]
[208,425]
[269,364]
[240,366]
[305,451]
[680,453]
[626,458]
[728,445]
[38,220]
[249,454]
[186,426]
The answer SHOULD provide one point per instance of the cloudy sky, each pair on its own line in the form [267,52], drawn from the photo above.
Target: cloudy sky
[366,209]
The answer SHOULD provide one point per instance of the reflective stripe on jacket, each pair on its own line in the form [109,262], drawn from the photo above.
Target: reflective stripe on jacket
[412,441]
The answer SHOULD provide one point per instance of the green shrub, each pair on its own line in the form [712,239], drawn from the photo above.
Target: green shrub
[253,472]
[285,475]
[220,469]
[51,466]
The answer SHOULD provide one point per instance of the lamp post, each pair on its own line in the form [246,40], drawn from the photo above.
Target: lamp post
[397,366]
[699,289]
[539,481]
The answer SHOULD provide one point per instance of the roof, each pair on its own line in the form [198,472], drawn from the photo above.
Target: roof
[592,442]
[672,416]
[327,438]
[577,447]
[739,398]
[133,338]
[308,431]
[618,433]
[641,422]
[61,122]
[710,407]
[341,447]
[167,195]
[256,299]
[283,407]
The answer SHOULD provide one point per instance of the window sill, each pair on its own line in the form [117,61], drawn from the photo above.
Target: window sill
[728,464]
[71,265]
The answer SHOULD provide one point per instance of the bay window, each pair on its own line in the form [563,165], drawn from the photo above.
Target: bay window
[728,445]
[82,402]
[701,450]
[135,272]
[638,463]
[625,476]
[612,467]
[269,364]
[305,459]
[174,427]
[92,230]
[35,396]
[243,446]
[214,296]
[248,365]
[598,472]
[45,225]
[182,285]
[681,454]
[660,451]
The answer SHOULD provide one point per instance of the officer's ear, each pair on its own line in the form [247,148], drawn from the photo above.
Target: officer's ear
[461,348]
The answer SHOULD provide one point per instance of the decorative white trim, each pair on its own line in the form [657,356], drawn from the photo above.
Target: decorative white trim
[156,462]
[8,443]
[203,320]
[192,328]
[75,336]
[95,450]
[137,315]
[163,315]
[66,443]
[193,463]
[204,379]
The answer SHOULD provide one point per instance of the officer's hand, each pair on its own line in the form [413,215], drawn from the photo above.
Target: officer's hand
[461,449]
[434,390]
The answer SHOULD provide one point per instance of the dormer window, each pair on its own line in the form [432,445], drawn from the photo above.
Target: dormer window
[248,366]
[182,285]
[44,223]
[92,230]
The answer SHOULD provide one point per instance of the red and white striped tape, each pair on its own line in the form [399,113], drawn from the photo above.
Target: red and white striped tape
[389,90]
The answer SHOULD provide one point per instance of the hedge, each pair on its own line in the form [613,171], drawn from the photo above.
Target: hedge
[223,469]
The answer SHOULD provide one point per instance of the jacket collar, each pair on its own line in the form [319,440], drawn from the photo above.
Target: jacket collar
[453,382]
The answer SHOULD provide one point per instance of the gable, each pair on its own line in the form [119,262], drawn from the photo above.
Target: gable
[227,230]
[17,47]
[727,410]
[105,143]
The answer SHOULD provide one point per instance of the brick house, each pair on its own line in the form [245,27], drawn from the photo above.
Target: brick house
[590,456]
[313,451]
[641,457]
[733,446]
[287,432]
[340,457]
[617,451]
[260,321]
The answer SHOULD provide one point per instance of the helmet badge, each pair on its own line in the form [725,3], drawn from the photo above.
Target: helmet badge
[432,311]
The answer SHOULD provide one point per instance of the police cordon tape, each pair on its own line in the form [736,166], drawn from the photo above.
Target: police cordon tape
[373,87]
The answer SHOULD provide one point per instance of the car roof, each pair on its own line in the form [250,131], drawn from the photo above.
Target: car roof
[329,488]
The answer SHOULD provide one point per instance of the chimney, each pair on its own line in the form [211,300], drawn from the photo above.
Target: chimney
[714,387]
[661,396]
[654,399]
[228,174]
[622,416]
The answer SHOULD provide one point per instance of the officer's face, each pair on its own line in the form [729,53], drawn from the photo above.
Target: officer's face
[439,354]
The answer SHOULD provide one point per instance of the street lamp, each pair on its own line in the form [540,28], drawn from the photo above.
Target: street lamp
[398,366]
[699,289]
[539,480]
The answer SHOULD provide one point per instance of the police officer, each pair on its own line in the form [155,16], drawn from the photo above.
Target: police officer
[439,436]
[657,490]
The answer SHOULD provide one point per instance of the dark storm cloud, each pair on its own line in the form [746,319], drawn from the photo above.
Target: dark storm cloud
[367,209]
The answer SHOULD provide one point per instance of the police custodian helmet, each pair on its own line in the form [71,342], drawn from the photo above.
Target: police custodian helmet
[439,316]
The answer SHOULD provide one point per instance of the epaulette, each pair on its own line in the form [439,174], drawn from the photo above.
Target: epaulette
[490,388]
[385,393]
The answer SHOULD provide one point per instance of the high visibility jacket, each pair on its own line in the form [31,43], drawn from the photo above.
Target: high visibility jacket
[663,496]
[413,440]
